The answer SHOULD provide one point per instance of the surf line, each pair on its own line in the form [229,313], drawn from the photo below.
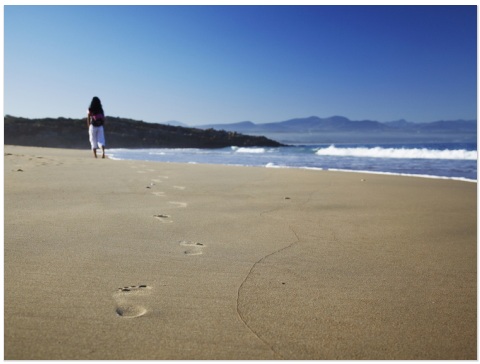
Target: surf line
[239,313]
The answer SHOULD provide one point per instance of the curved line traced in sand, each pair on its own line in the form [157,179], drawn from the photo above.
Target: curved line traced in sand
[129,302]
[239,312]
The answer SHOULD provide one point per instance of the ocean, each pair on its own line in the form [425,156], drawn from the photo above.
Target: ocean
[429,160]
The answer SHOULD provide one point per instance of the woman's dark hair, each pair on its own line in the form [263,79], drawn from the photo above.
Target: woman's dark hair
[96,106]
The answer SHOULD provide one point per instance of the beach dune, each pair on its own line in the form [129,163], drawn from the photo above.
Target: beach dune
[110,259]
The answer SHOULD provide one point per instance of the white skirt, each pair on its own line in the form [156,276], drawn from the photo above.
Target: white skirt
[97,137]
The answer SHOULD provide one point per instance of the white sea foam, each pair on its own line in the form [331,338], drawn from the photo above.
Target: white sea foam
[404,175]
[402,153]
[273,165]
[157,153]
[248,150]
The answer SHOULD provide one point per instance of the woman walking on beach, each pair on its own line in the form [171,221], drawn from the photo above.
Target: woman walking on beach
[95,121]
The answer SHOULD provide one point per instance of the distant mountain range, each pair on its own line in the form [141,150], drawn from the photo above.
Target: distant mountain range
[342,124]
[341,129]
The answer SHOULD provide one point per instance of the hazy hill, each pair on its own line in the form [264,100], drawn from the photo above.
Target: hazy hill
[341,129]
[340,123]
[121,133]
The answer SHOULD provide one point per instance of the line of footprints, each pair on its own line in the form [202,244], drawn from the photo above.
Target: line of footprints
[130,299]
[190,248]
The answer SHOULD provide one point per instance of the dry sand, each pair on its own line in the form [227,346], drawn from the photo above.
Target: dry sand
[113,259]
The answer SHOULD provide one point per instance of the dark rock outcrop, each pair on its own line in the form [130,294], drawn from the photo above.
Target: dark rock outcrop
[121,133]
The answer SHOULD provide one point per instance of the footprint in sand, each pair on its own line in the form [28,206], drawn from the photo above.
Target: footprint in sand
[163,218]
[178,204]
[159,194]
[179,187]
[192,248]
[130,300]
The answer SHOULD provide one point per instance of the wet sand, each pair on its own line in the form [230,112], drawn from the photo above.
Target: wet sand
[113,259]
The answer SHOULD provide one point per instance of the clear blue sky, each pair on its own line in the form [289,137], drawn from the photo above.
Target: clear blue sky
[224,64]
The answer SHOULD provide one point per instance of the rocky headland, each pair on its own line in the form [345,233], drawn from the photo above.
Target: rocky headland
[121,133]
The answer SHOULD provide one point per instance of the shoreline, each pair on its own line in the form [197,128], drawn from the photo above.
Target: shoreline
[460,179]
[108,259]
[414,162]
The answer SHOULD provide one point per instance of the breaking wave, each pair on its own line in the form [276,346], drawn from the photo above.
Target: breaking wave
[248,150]
[402,153]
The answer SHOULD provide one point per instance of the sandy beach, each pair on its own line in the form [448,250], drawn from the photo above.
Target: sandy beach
[108,259]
